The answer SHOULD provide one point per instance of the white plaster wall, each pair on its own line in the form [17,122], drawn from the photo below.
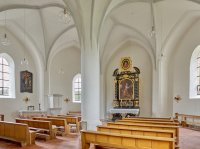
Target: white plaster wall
[141,60]
[180,66]
[69,60]
[10,107]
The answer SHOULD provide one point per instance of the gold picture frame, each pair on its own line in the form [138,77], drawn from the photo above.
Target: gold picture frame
[126,64]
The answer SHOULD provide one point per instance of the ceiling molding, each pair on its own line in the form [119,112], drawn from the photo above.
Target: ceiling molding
[186,21]
[44,35]
[137,32]
[105,62]
[59,35]
[22,6]
[64,46]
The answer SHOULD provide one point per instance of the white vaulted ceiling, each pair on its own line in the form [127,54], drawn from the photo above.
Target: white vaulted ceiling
[40,20]
[112,22]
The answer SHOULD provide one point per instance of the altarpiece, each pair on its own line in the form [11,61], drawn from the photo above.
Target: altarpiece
[126,87]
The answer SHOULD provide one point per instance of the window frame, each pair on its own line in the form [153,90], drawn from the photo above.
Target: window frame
[79,89]
[10,77]
[194,74]
[3,80]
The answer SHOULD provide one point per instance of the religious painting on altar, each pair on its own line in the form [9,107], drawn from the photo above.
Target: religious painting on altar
[126,89]
[126,64]
[126,85]
[26,81]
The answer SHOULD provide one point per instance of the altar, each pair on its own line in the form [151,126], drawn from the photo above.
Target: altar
[32,113]
[115,114]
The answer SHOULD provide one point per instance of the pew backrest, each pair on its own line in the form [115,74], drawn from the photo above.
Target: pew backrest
[36,123]
[78,116]
[54,121]
[148,122]
[146,126]
[69,120]
[150,119]
[185,119]
[137,131]
[15,132]
[40,126]
[125,141]
[58,122]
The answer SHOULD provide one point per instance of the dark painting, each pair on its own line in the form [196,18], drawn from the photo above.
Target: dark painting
[26,81]
[126,89]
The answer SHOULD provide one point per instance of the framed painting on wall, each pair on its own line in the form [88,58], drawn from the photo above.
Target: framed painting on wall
[26,81]
[126,64]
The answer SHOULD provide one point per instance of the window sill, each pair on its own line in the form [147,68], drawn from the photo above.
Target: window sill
[195,97]
[76,102]
[7,97]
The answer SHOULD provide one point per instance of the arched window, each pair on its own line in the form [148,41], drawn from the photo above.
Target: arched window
[195,74]
[7,77]
[76,88]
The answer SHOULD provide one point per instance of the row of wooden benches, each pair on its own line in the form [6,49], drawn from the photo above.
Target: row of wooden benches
[135,133]
[191,121]
[26,130]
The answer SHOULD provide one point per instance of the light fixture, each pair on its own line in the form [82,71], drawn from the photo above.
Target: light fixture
[152,32]
[67,100]
[177,98]
[26,99]
[4,39]
[65,16]
[24,61]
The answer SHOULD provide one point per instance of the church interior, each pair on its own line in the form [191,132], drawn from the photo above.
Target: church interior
[82,74]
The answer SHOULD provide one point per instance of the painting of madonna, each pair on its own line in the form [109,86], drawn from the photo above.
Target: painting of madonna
[126,89]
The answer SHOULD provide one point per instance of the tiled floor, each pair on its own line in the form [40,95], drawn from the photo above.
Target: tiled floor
[189,139]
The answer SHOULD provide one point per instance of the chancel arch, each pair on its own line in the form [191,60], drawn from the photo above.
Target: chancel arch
[136,52]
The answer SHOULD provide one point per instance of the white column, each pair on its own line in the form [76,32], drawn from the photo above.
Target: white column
[161,102]
[90,73]
[155,94]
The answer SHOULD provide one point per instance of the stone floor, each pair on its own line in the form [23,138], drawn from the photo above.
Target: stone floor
[189,139]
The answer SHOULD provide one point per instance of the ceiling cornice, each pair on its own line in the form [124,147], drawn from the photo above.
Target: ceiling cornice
[22,6]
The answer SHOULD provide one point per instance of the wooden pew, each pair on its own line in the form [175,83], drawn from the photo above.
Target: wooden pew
[147,126]
[138,131]
[150,119]
[125,141]
[43,129]
[148,122]
[78,116]
[61,124]
[192,121]
[17,132]
[77,113]
[1,117]
[70,121]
